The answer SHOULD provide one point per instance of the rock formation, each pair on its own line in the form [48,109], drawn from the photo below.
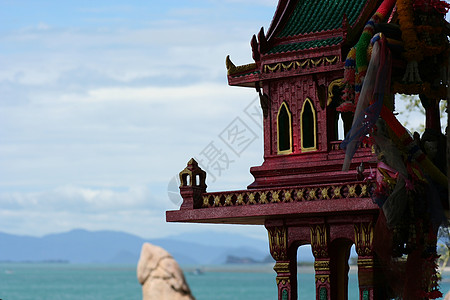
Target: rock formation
[160,275]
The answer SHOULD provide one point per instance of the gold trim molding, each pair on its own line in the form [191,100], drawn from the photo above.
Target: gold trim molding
[338,83]
[302,130]
[281,267]
[322,265]
[365,263]
[307,63]
[322,278]
[283,280]
[287,151]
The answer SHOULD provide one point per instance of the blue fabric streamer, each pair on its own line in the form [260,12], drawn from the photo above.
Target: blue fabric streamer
[366,119]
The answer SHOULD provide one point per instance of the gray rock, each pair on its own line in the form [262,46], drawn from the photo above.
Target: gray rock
[160,275]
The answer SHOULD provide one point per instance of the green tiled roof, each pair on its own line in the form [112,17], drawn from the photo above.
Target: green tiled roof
[319,15]
[305,45]
[246,74]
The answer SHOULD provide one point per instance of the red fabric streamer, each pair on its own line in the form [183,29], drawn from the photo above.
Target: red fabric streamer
[386,7]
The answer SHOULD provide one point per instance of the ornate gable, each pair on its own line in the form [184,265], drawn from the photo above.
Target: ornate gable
[301,32]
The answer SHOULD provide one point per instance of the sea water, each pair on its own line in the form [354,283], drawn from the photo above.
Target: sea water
[68,282]
[108,282]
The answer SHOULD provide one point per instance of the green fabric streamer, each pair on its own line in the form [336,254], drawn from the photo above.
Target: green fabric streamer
[361,51]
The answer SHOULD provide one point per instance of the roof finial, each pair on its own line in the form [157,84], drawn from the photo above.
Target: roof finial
[230,66]
[255,51]
[262,41]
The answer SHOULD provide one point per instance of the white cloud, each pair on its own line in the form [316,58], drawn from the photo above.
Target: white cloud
[124,54]
[43,26]
[120,132]
[133,209]
[76,199]
[162,95]
[94,122]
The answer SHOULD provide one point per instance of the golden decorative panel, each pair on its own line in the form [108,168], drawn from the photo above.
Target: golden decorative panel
[275,197]
[364,238]
[352,191]
[319,240]
[278,242]
[324,193]
[283,280]
[322,278]
[336,192]
[312,194]
[365,263]
[322,265]
[287,196]
[338,83]
[281,267]
[298,194]
[233,69]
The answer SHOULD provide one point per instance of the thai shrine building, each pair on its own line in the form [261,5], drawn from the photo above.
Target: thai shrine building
[300,193]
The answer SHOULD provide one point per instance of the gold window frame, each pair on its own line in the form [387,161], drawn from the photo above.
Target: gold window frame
[287,151]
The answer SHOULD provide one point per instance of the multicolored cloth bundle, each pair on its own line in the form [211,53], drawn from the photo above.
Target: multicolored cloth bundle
[408,187]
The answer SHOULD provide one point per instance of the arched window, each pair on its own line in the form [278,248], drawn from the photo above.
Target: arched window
[308,130]
[284,130]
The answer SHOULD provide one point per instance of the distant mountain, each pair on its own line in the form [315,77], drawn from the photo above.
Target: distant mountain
[221,239]
[76,246]
[82,246]
[241,260]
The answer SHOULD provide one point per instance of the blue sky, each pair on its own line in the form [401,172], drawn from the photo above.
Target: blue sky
[102,103]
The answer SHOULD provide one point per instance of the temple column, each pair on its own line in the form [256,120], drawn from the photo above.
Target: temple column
[369,273]
[285,262]
[432,113]
[319,242]
[339,251]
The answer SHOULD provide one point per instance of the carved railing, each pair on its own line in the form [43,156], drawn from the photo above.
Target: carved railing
[336,145]
[286,194]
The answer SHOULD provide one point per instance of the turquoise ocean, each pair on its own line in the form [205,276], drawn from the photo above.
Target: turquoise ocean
[35,281]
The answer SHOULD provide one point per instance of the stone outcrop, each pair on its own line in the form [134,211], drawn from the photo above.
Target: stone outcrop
[160,275]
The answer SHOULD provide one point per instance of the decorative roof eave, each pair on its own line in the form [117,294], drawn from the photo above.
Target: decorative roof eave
[246,80]
[285,64]
[234,70]
[248,75]
[257,214]
[245,75]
